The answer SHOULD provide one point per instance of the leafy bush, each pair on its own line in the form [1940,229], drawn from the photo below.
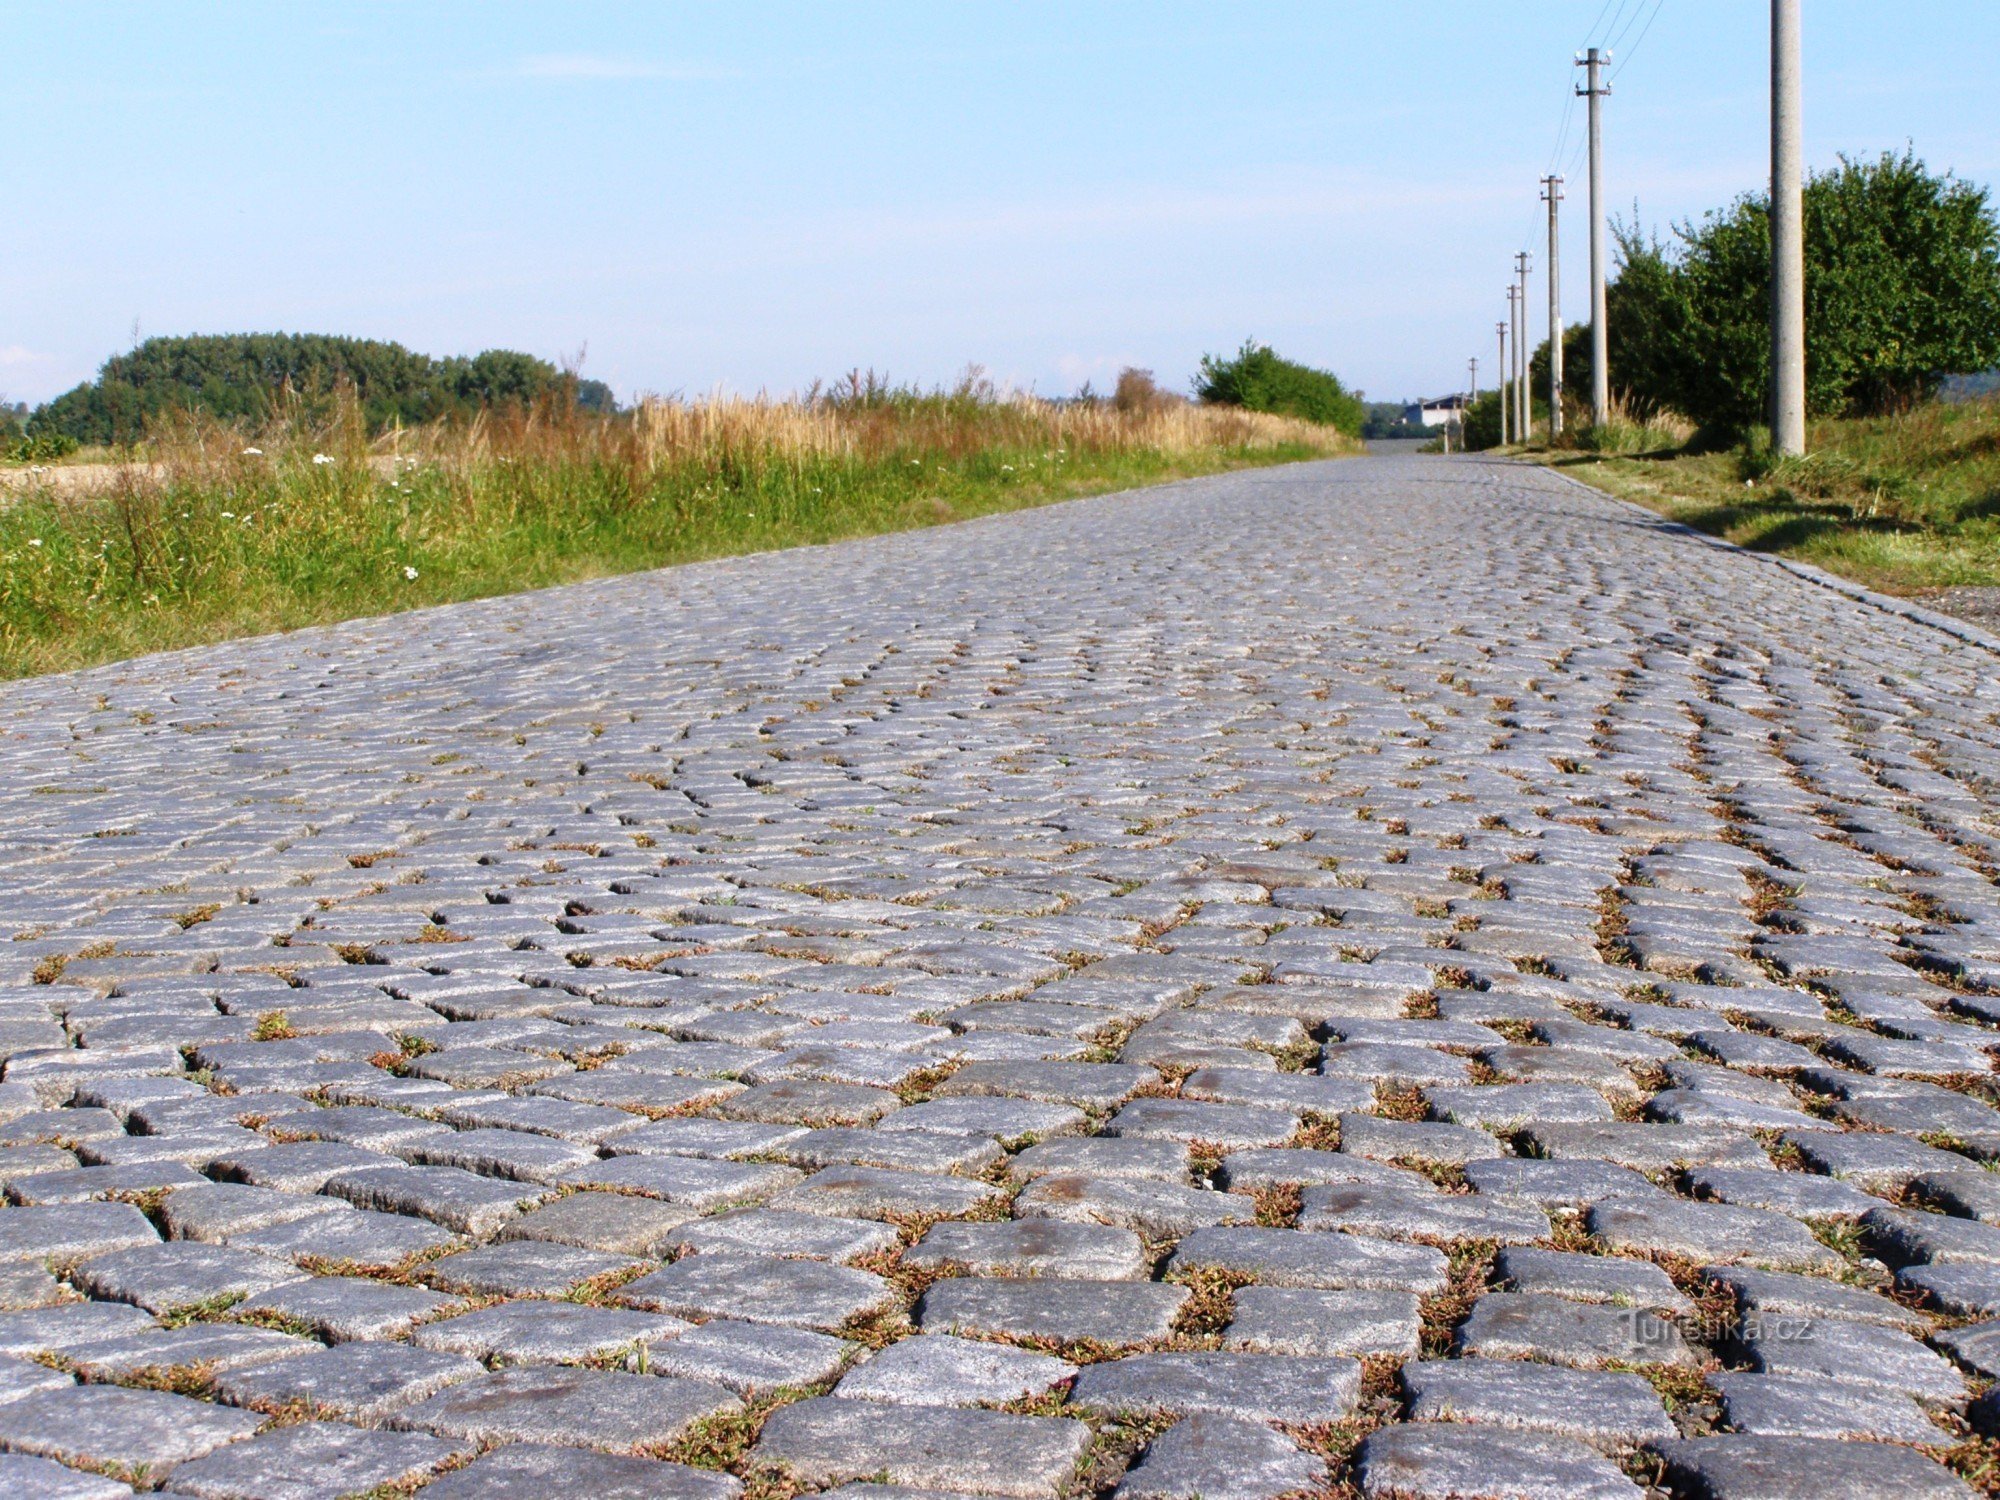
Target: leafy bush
[39,447]
[249,378]
[1259,379]
[1902,291]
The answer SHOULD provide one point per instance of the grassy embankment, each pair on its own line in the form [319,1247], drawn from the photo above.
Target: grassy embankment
[1908,504]
[209,539]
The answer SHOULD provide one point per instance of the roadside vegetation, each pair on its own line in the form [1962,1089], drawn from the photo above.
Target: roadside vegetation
[1900,489]
[1907,503]
[213,528]
[1257,378]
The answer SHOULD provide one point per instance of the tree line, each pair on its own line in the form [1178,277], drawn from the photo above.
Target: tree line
[252,377]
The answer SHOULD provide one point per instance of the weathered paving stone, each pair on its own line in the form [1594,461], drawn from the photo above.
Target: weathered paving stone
[827,1440]
[691,1181]
[1006,1120]
[226,1212]
[1784,1294]
[1590,1278]
[1803,1406]
[1158,1210]
[760,1289]
[161,1277]
[1340,1262]
[524,1268]
[357,1236]
[1366,1208]
[1104,1156]
[1209,1457]
[1229,1125]
[1901,1237]
[1248,1171]
[1034,1247]
[771,1231]
[539,1332]
[1082,1085]
[206,1346]
[1799,1468]
[42,1479]
[810,1102]
[1606,1409]
[1711,1231]
[942,1370]
[1255,1387]
[358,1382]
[21,1377]
[575,1408]
[49,1330]
[1305,1320]
[1858,1353]
[1416,1140]
[1795,1194]
[1112,1313]
[612,1223]
[72,1230]
[313,1458]
[876,1193]
[1446,1461]
[528,1471]
[28,1284]
[1960,1290]
[1974,1345]
[1646,1148]
[1521,1325]
[750,1358]
[106,1424]
[347,1307]
[449,1196]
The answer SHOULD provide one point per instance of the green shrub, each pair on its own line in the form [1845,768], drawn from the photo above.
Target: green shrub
[41,447]
[1257,378]
[1902,290]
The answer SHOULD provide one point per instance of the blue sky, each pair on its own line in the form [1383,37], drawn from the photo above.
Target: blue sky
[750,196]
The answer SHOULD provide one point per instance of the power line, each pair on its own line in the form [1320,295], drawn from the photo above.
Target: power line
[1658,5]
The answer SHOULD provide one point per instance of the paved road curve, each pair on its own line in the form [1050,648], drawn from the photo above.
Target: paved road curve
[1397,974]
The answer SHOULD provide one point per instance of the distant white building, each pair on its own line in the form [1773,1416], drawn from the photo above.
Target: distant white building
[1438,413]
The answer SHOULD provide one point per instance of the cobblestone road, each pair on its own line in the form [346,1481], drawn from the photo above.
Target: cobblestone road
[1396,976]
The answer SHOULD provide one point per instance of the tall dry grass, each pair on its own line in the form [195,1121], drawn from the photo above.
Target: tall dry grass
[209,533]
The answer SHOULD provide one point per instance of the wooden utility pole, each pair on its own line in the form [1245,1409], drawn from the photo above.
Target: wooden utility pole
[1596,90]
[1788,241]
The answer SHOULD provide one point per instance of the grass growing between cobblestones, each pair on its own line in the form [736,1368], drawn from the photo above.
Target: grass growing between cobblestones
[216,538]
[1908,504]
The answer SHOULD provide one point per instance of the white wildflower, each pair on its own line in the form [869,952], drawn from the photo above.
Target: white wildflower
[321,458]
[410,573]
[228,515]
[34,541]
[253,452]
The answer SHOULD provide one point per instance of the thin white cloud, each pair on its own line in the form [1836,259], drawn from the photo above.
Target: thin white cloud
[16,354]
[582,67]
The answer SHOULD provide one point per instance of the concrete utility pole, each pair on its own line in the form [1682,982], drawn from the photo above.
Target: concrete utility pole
[1511,398]
[1596,90]
[1788,240]
[1502,368]
[1524,401]
[1552,194]
[1471,400]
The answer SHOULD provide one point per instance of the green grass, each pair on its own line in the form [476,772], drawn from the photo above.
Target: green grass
[219,543]
[1907,504]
